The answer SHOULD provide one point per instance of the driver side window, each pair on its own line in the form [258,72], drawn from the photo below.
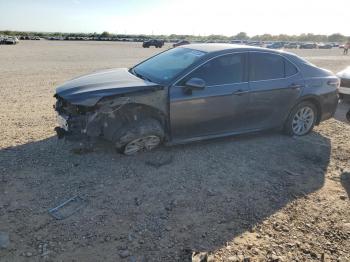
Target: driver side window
[226,69]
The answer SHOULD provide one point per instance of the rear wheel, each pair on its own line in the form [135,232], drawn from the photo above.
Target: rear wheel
[301,120]
[142,135]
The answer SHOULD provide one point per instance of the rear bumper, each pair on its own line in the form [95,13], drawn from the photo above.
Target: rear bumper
[328,103]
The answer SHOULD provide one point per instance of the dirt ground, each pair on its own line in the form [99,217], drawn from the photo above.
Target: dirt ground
[262,197]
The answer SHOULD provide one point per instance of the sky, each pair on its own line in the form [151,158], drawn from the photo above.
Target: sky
[226,17]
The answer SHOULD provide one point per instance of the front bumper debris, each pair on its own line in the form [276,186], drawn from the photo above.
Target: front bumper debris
[62,121]
[60,132]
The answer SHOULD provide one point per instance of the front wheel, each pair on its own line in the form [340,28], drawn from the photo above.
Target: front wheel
[142,135]
[301,120]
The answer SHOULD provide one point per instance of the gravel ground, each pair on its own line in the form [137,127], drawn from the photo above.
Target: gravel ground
[262,197]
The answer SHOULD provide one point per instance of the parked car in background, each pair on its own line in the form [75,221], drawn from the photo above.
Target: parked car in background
[181,42]
[325,46]
[196,92]
[335,44]
[255,43]
[291,45]
[276,45]
[10,40]
[238,42]
[344,89]
[153,42]
[308,46]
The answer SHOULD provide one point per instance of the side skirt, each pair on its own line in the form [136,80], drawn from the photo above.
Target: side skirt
[207,137]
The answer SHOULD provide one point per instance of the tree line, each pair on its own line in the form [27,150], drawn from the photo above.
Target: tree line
[336,37]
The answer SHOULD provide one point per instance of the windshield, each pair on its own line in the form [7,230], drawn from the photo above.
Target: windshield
[163,68]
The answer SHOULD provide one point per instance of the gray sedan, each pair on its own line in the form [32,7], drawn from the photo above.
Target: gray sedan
[196,92]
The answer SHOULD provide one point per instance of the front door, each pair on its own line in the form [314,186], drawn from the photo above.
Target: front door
[217,109]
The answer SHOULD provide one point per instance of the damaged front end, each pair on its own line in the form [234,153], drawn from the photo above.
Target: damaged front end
[109,113]
[99,104]
[75,121]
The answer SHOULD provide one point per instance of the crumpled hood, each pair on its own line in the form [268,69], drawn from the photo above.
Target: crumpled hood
[87,90]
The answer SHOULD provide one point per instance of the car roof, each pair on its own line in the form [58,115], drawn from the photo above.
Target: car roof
[213,47]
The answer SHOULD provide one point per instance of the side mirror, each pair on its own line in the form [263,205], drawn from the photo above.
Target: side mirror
[194,84]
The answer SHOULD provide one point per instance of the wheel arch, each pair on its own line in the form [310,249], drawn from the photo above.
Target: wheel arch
[133,112]
[315,101]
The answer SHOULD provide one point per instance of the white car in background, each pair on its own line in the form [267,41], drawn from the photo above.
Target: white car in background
[344,89]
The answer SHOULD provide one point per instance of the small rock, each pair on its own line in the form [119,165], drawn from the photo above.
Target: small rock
[342,197]
[199,257]
[211,193]
[233,259]
[256,251]
[123,247]
[29,254]
[275,258]
[313,254]
[124,253]
[211,258]
[137,201]
[141,241]
[325,257]
[171,205]
[4,240]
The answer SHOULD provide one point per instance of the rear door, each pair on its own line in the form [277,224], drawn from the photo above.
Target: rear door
[217,109]
[275,84]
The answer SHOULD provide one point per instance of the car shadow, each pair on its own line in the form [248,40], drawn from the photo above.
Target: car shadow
[160,205]
[345,181]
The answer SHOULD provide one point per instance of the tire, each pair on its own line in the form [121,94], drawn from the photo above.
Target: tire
[301,119]
[348,116]
[141,135]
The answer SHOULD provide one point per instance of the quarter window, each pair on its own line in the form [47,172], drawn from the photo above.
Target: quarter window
[289,68]
[222,70]
[265,66]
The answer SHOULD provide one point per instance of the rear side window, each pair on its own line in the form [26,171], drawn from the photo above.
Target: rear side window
[222,70]
[265,66]
[289,68]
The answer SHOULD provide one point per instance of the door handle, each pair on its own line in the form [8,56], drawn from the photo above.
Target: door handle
[295,86]
[240,92]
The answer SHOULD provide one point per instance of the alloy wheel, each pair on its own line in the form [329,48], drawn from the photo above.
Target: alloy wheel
[143,143]
[303,120]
